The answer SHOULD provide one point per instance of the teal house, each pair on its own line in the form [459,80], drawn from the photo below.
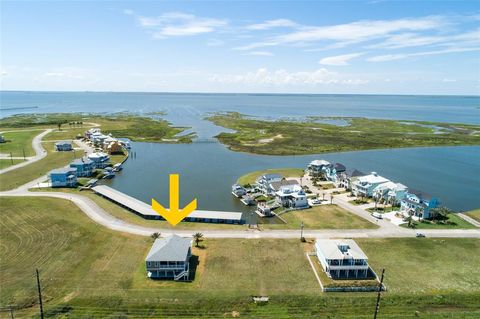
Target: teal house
[64,177]
[84,166]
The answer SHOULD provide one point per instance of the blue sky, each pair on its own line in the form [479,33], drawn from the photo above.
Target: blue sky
[385,47]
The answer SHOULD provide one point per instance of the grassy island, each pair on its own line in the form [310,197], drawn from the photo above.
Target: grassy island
[316,135]
[150,128]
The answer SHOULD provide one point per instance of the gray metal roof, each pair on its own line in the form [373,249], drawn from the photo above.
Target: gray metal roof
[64,170]
[171,248]
[81,161]
[330,249]
[145,209]
[285,182]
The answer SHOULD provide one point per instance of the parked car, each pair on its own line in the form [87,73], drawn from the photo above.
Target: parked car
[420,235]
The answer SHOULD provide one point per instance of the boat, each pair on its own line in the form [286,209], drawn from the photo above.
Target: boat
[238,190]
[117,167]
[108,173]
[248,200]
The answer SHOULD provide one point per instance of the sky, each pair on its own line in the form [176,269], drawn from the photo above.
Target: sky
[351,47]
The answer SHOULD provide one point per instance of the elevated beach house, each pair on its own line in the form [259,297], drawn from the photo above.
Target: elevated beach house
[418,204]
[169,258]
[317,166]
[84,166]
[264,183]
[291,196]
[364,185]
[99,159]
[63,146]
[390,192]
[349,176]
[342,258]
[332,172]
[64,177]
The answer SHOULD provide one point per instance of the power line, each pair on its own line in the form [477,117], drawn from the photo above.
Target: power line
[39,294]
[380,286]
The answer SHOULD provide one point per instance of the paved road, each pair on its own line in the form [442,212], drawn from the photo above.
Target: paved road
[100,216]
[39,151]
[469,219]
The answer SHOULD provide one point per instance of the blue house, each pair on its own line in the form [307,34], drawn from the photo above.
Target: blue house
[418,204]
[63,146]
[99,159]
[333,171]
[84,166]
[64,177]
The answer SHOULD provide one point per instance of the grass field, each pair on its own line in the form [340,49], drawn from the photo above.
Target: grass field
[286,172]
[475,214]
[32,171]
[90,272]
[321,217]
[18,142]
[283,137]
[453,222]
[4,163]
[137,128]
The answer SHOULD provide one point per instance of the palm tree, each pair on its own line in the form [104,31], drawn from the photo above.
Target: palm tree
[198,237]
[331,199]
[155,235]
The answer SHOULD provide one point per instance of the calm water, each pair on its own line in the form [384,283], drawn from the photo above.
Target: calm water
[208,170]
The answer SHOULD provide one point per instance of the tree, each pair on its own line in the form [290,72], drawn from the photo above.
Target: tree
[323,196]
[155,235]
[411,222]
[198,238]
[331,199]
[59,126]
[440,213]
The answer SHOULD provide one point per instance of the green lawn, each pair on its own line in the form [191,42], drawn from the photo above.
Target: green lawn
[17,142]
[321,217]
[284,137]
[475,214]
[453,222]
[4,163]
[32,171]
[91,272]
[286,172]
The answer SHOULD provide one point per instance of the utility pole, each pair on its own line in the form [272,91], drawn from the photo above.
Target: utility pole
[39,294]
[301,231]
[24,155]
[11,157]
[11,312]
[380,286]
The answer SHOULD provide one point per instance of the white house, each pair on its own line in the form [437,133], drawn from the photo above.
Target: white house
[317,166]
[263,182]
[364,185]
[342,258]
[390,192]
[349,176]
[169,258]
[99,159]
[292,196]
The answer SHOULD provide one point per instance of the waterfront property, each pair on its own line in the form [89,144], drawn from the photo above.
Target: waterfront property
[84,166]
[390,192]
[114,147]
[332,172]
[145,211]
[418,204]
[364,185]
[99,159]
[317,166]
[291,196]
[64,177]
[348,177]
[264,183]
[342,258]
[169,258]
[238,190]
[63,146]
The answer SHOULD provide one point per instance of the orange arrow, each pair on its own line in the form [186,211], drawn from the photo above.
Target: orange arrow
[174,215]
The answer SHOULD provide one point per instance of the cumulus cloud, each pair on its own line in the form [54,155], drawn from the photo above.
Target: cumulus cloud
[283,77]
[339,60]
[175,24]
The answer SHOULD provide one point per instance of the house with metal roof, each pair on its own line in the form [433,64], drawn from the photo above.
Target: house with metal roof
[291,196]
[317,166]
[364,185]
[418,204]
[342,258]
[390,192]
[63,146]
[99,159]
[169,258]
[349,176]
[332,172]
[84,166]
[64,177]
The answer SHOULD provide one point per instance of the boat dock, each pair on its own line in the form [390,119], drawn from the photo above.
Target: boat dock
[144,210]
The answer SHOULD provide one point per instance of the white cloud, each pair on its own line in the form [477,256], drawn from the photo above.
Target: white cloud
[215,42]
[391,57]
[269,24]
[259,53]
[284,78]
[172,24]
[339,59]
